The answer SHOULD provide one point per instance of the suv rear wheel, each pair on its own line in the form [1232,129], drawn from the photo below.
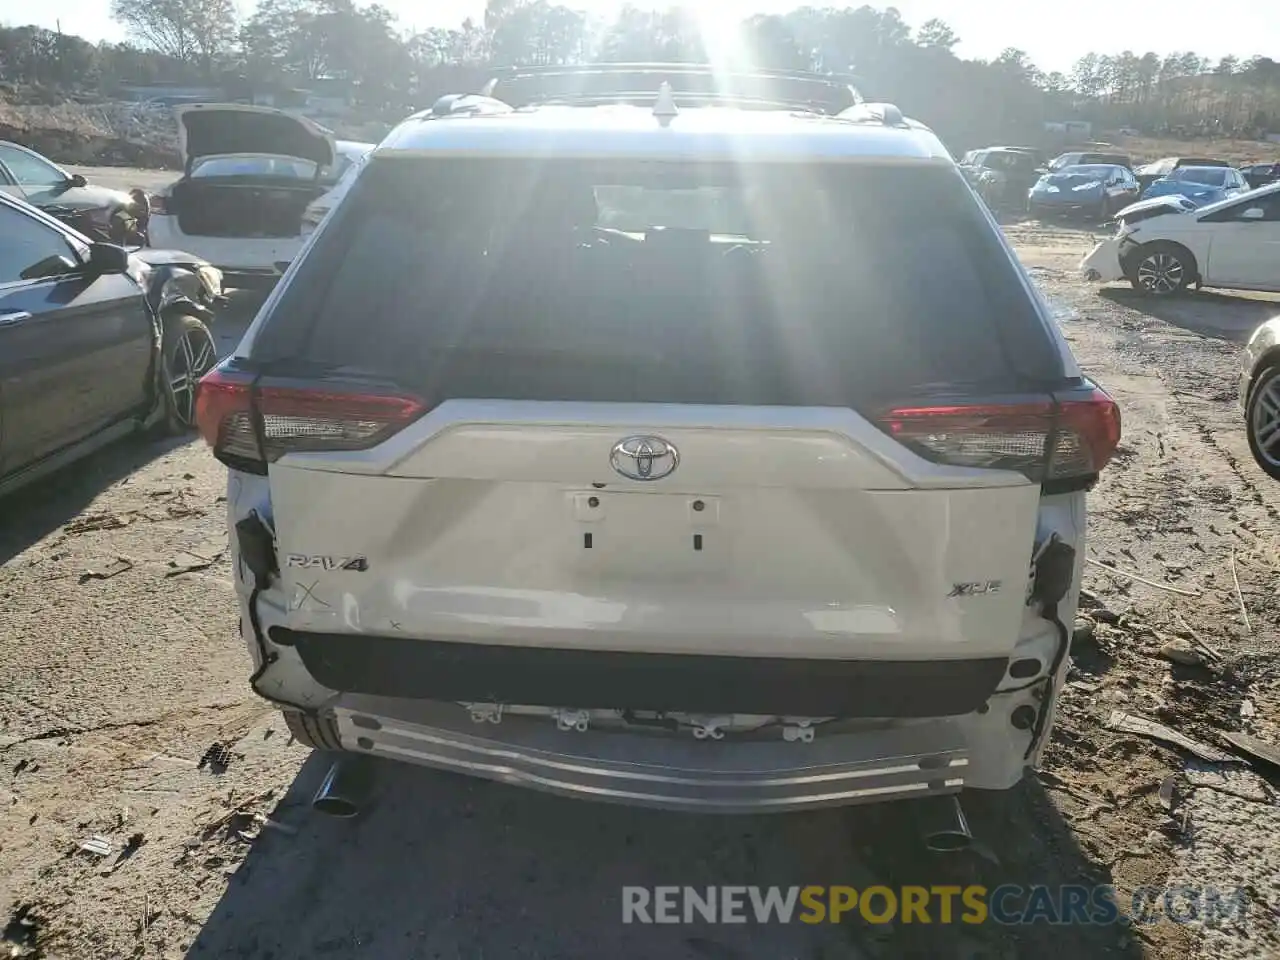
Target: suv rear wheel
[313,730]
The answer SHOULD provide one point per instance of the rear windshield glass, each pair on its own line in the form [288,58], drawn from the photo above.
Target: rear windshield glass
[289,168]
[571,280]
[1207,175]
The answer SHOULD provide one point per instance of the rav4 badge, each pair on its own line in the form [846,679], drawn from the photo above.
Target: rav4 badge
[305,562]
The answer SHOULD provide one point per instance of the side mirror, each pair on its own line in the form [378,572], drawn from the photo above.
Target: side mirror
[108,258]
[54,266]
[77,180]
[1254,213]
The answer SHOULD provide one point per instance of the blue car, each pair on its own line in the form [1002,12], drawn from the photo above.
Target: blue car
[1201,185]
[1091,189]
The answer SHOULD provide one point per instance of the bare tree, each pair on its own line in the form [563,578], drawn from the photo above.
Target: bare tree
[193,31]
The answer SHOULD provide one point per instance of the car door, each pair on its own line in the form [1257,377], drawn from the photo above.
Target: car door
[75,345]
[39,180]
[1244,251]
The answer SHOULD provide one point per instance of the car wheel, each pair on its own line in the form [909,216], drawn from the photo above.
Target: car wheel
[1262,421]
[1161,270]
[187,353]
[314,731]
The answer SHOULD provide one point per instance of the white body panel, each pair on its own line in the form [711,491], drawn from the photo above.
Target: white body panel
[232,254]
[1230,254]
[821,537]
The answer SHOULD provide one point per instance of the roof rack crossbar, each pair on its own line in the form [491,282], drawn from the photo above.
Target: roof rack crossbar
[522,86]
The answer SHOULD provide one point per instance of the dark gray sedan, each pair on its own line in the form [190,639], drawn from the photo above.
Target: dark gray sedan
[95,342]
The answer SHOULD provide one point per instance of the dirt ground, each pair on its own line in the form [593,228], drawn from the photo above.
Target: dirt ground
[125,714]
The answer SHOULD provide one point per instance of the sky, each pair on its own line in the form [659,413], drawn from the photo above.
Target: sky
[1052,32]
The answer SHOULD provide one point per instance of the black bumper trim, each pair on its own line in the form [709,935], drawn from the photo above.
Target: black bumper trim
[538,676]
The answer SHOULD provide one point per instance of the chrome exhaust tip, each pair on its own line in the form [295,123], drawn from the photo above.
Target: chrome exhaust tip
[942,825]
[345,787]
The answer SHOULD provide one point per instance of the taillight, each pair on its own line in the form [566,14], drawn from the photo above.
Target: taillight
[1046,441]
[158,205]
[246,426]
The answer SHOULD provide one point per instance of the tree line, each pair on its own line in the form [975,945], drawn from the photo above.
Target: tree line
[391,70]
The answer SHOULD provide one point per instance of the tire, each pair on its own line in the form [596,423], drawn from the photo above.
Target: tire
[187,352]
[1162,269]
[1264,396]
[314,731]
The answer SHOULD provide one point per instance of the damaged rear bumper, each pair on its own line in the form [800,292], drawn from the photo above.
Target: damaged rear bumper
[728,776]
[1103,263]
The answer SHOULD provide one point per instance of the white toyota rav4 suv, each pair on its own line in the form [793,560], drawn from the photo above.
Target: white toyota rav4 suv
[683,448]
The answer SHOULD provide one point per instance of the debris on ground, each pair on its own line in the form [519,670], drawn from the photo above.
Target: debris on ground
[1182,652]
[1258,749]
[98,845]
[97,521]
[1236,781]
[106,570]
[1141,726]
[217,758]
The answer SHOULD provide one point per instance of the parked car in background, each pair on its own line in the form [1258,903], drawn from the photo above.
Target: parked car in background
[505,500]
[98,212]
[1001,176]
[1163,246]
[1094,190]
[1149,173]
[249,175]
[1085,157]
[1201,185]
[95,342]
[1260,174]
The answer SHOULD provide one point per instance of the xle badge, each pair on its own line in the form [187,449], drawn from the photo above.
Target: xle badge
[301,561]
[975,589]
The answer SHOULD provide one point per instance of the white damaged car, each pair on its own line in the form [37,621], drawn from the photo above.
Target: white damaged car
[1166,244]
[250,173]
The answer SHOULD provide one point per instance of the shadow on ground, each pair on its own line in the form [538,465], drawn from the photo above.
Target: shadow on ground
[445,866]
[35,511]
[1223,316]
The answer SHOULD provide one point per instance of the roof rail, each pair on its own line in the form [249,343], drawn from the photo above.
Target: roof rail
[885,114]
[639,83]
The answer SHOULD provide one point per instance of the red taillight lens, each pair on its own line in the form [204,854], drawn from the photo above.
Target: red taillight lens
[158,205]
[1046,441]
[295,419]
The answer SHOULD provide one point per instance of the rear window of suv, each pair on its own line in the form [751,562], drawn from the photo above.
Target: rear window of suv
[660,282]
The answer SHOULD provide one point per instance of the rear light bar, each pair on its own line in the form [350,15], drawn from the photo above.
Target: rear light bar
[249,427]
[1052,440]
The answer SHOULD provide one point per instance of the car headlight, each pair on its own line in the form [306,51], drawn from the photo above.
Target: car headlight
[211,278]
[1091,185]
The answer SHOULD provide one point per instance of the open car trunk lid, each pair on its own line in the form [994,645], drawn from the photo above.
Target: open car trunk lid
[215,129]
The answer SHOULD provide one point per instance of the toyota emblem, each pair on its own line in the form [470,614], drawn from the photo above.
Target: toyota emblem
[644,458]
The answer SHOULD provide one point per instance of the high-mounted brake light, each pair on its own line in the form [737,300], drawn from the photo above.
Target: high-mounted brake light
[247,425]
[1050,440]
